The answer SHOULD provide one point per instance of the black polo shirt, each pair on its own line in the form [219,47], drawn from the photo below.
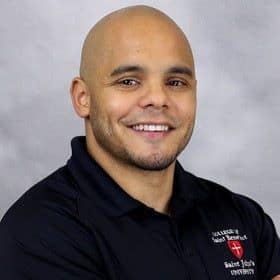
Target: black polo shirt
[79,224]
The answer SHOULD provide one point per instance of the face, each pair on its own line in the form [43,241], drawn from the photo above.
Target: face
[143,97]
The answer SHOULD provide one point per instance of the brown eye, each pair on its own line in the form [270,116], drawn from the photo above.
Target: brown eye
[176,83]
[128,82]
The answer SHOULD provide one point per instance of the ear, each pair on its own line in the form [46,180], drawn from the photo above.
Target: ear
[80,96]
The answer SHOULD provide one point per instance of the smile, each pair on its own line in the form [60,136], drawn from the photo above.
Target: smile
[151,127]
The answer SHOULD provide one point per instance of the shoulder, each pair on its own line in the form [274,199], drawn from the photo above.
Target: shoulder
[235,206]
[54,194]
[44,224]
[216,200]
[46,215]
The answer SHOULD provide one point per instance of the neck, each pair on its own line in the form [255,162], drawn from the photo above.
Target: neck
[153,188]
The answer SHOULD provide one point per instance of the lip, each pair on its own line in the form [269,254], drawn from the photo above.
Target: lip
[170,126]
[156,135]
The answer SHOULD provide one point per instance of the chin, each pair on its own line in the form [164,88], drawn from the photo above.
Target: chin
[154,163]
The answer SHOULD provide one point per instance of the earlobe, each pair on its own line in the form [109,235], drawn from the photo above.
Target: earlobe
[80,97]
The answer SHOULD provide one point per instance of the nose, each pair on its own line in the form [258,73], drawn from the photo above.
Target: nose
[154,96]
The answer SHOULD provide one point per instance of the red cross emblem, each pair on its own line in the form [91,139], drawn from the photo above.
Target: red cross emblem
[236,248]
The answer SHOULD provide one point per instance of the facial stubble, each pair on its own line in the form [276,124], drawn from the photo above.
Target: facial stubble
[105,137]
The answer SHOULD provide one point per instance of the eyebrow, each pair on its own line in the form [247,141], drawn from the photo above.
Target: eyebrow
[180,70]
[126,68]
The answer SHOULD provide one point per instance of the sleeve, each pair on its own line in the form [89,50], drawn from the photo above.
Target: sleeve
[266,240]
[47,244]
[268,249]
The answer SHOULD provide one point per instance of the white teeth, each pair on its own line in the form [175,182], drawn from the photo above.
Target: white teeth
[150,127]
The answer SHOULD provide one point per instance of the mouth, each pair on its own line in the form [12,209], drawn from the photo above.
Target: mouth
[151,127]
[152,131]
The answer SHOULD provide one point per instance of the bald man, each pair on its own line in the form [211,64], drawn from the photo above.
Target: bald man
[123,207]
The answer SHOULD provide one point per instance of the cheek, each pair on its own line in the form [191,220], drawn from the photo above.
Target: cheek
[118,107]
[96,111]
[186,108]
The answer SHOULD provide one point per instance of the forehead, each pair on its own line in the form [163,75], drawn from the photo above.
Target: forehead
[157,44]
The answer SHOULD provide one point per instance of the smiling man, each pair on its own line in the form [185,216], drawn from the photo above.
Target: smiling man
[123,207]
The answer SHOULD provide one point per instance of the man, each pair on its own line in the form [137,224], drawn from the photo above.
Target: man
[123,207]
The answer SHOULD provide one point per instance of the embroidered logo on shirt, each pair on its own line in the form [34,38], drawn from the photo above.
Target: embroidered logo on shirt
[236,248]
[232,240]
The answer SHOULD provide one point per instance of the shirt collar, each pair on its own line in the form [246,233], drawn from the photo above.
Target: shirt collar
[100,190]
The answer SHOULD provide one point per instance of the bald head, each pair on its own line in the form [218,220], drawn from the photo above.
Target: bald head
[131,23]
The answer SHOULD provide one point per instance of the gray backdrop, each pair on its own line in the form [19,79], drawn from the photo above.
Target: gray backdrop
[236,45]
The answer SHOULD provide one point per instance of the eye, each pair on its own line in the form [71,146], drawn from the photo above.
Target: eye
[176,83]
[128,82]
